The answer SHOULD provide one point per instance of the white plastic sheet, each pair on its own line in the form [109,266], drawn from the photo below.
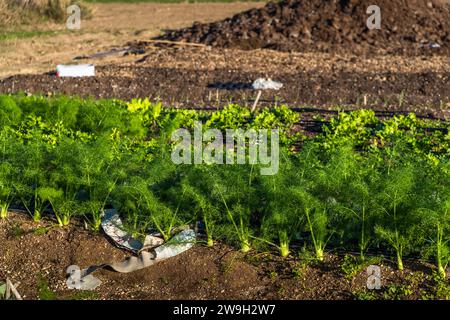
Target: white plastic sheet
[266,84]
[113,227]
[148,253]
[75,71]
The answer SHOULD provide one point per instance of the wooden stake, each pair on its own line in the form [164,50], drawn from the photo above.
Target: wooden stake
[10,288]
[256,100]
[178,43]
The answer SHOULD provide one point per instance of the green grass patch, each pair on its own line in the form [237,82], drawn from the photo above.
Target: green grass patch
[17,35]
[44,291]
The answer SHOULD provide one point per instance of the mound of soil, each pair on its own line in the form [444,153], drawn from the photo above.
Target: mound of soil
[407,27]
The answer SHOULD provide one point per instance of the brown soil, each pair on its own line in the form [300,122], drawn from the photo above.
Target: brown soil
[202,77]
[221,272]
[330,26]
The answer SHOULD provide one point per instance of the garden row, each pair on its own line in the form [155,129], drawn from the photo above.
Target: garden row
[362,183]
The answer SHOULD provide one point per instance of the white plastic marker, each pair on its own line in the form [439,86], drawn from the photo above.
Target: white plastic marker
[80,70]
[264,84]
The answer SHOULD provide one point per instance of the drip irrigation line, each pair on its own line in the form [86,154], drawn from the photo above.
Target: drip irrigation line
[379,113]
[325,122]
[319,123]
[381,254]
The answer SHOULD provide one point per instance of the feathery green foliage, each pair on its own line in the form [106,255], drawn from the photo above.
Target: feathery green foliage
[434,210]
[282,218]
[361,183]
[398,223]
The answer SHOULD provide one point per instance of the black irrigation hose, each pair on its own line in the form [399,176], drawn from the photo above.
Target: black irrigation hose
[381,253]
[325,122]
[320,123]
[378,113]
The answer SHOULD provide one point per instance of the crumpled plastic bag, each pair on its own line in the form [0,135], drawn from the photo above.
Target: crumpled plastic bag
[79,280]
[113,227]
[153,250]
[179,243]
[266,84]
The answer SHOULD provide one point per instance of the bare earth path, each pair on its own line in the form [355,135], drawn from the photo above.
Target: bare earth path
[110,25]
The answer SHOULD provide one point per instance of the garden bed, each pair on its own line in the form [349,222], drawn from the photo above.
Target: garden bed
[360,183]
[38,262]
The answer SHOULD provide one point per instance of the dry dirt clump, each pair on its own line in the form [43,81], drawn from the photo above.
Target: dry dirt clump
[407,27]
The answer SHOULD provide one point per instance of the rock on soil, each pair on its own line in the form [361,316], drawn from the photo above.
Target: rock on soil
[411,27]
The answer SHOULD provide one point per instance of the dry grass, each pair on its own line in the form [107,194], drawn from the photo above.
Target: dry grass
[40,5]
[8,15]
[16,12]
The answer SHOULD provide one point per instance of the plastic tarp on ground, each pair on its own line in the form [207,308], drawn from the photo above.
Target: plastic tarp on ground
[151,251]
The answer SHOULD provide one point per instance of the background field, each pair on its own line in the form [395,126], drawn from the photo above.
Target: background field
[169,1]
[38,47]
